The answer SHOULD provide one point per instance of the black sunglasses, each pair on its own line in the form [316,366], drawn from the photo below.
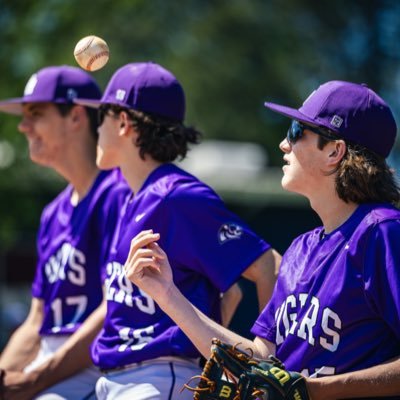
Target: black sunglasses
[296,129]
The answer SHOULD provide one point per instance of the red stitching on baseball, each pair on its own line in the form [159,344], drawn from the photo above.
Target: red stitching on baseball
[95,57]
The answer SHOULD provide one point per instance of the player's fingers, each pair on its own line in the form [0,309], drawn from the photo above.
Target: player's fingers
[140,266]
[140,253]
[141,234]
[157,250]
[143,239]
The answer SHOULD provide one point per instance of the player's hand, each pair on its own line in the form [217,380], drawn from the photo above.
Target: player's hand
[17,386]
[147,266]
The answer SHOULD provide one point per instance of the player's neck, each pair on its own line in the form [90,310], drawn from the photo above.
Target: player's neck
[136,173]
[77,164]
[82,184]
[332,211]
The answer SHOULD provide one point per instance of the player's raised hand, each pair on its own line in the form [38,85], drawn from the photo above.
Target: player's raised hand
[147,265]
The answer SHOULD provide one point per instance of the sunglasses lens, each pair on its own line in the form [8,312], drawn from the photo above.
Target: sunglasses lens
[295,132]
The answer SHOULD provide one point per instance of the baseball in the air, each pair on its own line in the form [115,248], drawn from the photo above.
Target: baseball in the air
[91,53]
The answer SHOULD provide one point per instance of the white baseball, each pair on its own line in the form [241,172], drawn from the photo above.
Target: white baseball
[91,53]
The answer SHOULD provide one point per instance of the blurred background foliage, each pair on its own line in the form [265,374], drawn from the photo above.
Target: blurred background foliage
[230,55]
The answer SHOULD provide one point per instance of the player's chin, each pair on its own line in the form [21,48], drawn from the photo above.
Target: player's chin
[284,180]
[103,163]
[287,183]
[38,158]
[290,185]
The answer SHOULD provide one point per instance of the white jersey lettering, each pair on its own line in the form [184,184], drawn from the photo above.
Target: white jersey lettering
[68,263]
[135,339]
[308,322]
[77,273]
[278,317]
[333,343]
[121,290]
[318,372]
[326,320]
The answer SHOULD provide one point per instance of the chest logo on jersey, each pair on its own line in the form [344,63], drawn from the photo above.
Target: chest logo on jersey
[304,317]
[229,232]
[139,217]
[67,264]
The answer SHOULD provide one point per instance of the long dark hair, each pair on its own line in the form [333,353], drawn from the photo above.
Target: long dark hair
[364,177]
[163,139]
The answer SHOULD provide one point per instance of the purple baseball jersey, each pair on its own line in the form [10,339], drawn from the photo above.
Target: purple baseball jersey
[73,245]
[208,248]
[336,304]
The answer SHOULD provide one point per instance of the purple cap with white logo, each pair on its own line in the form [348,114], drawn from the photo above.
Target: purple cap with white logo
[353,111]
[55,84]
[144,86]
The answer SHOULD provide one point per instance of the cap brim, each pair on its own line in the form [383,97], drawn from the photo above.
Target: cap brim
[88,102]
[15,106]
[290,112]
[12,106]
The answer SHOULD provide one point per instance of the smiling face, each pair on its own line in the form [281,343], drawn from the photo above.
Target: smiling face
[45,129]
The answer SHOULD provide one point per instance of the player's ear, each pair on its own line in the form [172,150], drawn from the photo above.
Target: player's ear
[124,123]
[337,151]
[77,113]
[77,116]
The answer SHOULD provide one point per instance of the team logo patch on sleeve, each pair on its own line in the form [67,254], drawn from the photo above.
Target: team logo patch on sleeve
[228,232]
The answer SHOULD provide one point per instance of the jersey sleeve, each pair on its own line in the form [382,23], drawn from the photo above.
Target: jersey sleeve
[382,273]
[205,235]
[265,326]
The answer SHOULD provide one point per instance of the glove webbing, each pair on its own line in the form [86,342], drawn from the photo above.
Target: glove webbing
[229,388]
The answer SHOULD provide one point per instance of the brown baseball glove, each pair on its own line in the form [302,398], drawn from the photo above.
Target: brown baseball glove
[231,374]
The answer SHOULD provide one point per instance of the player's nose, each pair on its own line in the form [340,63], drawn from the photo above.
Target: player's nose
[284,145]
[24,126]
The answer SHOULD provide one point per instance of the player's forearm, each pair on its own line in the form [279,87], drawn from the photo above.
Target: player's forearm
[72,357]
[198,327]
[265,286]
[21,349]
[263,272]
[381,380]
[229,303]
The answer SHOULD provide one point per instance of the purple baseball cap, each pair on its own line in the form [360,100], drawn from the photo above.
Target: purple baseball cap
[144,86]
[55,84]
[353,111]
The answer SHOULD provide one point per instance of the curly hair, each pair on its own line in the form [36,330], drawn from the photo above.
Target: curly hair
[364,176]
[163,139]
